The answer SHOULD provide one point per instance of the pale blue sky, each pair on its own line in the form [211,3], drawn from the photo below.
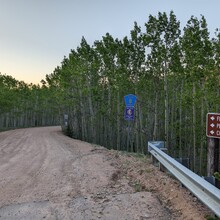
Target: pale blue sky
[36,34]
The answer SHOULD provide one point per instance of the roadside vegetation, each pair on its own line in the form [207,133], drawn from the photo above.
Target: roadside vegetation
[174,73]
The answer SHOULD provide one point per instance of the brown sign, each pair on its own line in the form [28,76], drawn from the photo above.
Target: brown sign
[213,125]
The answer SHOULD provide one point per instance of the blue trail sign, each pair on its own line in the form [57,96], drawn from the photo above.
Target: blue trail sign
[129,113]
[130,100]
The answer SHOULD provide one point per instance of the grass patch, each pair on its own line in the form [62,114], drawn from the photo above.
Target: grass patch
[138,186]
[211,218]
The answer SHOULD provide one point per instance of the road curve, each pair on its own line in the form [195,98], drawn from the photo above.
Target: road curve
[46,175]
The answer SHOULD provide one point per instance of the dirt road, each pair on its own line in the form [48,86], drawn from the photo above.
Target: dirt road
[46,175]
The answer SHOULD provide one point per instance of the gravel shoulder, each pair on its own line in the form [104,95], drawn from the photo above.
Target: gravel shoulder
[46,175]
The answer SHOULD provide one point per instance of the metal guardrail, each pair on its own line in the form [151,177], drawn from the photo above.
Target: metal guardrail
[203,190]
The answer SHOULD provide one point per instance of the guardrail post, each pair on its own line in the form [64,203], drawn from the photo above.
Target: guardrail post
[153,159]
[162,167]
[161,146]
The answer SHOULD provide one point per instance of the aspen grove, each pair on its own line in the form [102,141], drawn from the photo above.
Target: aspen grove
[174,73]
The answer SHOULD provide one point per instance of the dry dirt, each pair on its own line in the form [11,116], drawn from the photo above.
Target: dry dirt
[46,175]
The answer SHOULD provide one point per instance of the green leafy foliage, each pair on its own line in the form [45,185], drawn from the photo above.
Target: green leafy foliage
[176,78]
[217,175]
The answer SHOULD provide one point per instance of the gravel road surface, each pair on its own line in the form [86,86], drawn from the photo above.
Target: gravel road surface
[46,175]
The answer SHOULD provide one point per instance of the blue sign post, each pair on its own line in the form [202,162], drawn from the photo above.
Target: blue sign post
[129,110]
[129,113]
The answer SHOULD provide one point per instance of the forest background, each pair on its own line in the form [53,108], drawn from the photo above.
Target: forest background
[174,74]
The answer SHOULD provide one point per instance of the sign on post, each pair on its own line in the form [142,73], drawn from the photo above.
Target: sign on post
[130,100]
[65,117]
[213,125]
[65,120]
[129,113]
[129,110]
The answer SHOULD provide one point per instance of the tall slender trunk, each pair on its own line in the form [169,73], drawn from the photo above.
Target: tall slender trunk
[166,110]
[137,147]
[194,128]
[7,125]
[180,121]
[217,103]
[201,138]
[83,121]
[155,117]
[141,128]
[201,170]
[103,124]
[172,119]
[128,135]
[108,124]
[213,155]
[91,112]
[118,121]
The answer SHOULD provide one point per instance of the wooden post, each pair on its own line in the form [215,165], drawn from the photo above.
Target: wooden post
[216,156]
[213,156]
